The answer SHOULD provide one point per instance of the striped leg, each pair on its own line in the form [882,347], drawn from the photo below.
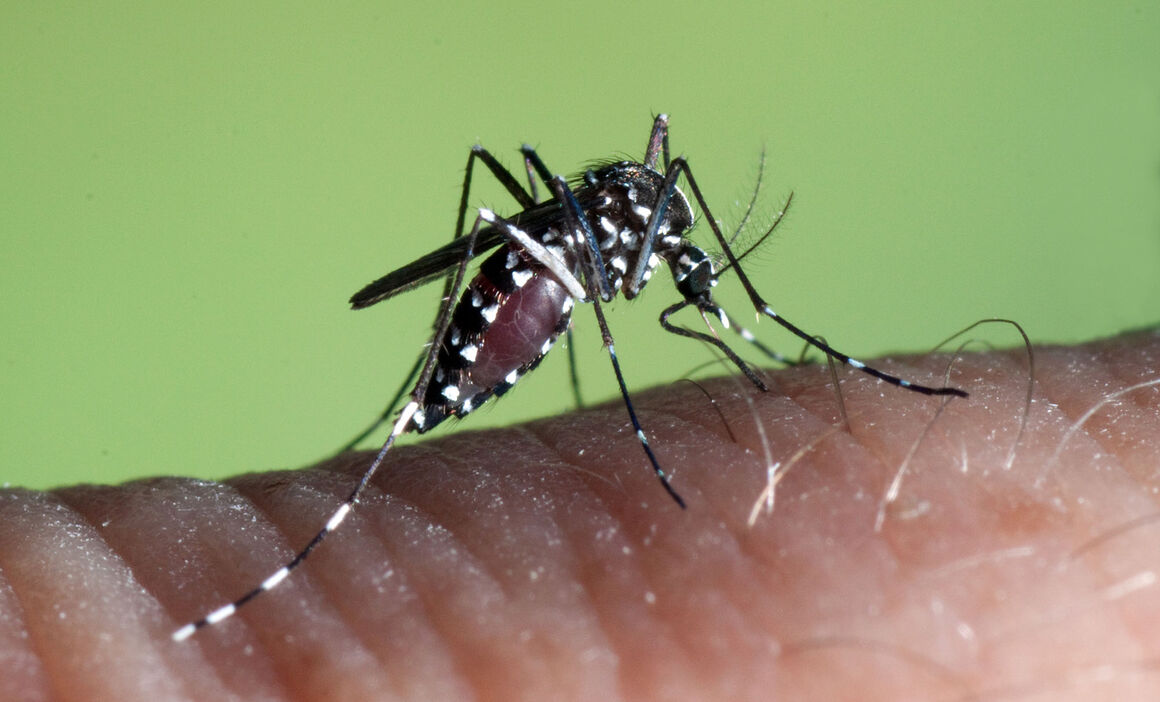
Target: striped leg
[681,166]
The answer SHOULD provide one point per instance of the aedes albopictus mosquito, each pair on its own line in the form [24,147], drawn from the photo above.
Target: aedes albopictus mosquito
[602,233]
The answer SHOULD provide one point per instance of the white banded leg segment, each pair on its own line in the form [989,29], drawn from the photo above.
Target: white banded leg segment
[184,632]
[222,613]
[859,365]
[337,517]
[276,578]
[272,582]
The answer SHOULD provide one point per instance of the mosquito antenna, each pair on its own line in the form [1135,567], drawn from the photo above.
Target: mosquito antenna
[680,164]
[752,200]
[780,216]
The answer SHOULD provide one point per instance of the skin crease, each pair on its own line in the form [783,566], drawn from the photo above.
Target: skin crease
[544,562]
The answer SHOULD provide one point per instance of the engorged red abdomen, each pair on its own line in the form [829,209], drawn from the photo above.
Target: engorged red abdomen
[522,325]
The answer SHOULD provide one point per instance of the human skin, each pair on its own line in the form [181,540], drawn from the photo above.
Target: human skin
[544,561]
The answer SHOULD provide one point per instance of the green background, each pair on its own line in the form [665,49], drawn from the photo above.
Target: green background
[189,194]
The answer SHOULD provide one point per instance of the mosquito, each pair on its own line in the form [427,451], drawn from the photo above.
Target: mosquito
[602,233]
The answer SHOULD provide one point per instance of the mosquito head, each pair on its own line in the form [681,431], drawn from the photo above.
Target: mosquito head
[693,273]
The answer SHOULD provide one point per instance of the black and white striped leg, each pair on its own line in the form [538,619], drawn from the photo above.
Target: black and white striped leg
[679,165]
[336,518]
[391,407]
[596,279]
[713,310]
[535,168]
[711,340]
[606,335]
[749,338]
[410,415]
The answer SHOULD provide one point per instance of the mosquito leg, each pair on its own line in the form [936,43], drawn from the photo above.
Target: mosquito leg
[712,341]
[336,518]
[749,338]
[502,174]
[680,165]
[535,167]
[595,274]
[596,278]
[534,164]
[573,375]
[608,344]
[410,416]
[530,168]
[390,409]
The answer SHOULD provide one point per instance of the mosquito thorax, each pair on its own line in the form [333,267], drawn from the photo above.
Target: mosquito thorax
[619,199]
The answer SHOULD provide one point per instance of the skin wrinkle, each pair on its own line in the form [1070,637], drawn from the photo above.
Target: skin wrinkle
[635,649]
[717,513]
[32,642]
[863,441]
[561,571]
[71,500]
[455,648]
[714,512]
[455,656]
[253,639]
[25,678]
[1014,364]
[425,597]
[1075,408]
[797,514]
[569,467]
[872,449]
[1117,452]
[378,521]
[319,609]
[454,467]
[107,568]
[402,508]
[586,571]
[321,578]
[1139,399]
[1070,408]
[35,634]
[510,584]
[205,659]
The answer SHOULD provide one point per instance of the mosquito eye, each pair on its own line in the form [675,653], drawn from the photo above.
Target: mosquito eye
[693,273]
[701,279]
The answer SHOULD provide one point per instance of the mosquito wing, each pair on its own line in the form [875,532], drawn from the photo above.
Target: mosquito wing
[425,269]
[422,270]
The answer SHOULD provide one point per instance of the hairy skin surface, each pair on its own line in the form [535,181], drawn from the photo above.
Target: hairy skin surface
[545,562]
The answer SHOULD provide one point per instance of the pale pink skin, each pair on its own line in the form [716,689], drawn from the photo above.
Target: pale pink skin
[545,562]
